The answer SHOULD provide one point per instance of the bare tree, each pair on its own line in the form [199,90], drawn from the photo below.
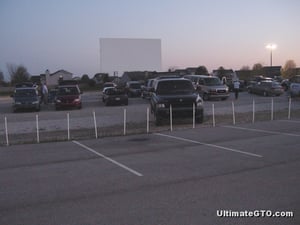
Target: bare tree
[1,77]
[288,69]
[257,69]
[18,74]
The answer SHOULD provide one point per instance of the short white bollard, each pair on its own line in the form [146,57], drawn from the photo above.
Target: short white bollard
[6,131]
[95,125]
[194,115]
[289,112]
[124,129]
[213,115]
[148,120]
[272,109]
[37,129]
[233,114]
[171,118]
[68,125]
[253,111]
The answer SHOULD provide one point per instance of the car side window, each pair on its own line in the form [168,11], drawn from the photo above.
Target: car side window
[201,82]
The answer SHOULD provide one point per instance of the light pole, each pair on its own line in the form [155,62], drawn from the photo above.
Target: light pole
[271,47]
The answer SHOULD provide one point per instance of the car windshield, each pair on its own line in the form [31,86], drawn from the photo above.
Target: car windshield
[276,85]
[114,91]
[108,85]
[135,86]
[296,79]
[212,81]
[25,93]
[68,91]
[174,86]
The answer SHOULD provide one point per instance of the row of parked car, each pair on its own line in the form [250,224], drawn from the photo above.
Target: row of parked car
[208,87]
[28,96]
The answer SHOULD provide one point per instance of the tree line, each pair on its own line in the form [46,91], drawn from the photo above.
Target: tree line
[19,73]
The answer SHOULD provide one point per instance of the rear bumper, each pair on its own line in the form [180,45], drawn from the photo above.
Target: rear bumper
[68,105]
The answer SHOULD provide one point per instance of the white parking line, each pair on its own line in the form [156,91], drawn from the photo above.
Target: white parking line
[262,131]
[290,121]
[109,159]
[209,145]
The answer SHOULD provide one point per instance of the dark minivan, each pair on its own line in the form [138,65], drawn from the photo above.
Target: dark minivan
[26,98]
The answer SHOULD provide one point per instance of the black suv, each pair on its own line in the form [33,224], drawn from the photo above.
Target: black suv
[177,93]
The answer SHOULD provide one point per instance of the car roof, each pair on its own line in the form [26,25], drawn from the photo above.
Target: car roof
[133,82]
[25,88]
[172,79]
[64,86]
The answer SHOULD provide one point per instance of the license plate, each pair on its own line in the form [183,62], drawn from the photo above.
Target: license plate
[117,99]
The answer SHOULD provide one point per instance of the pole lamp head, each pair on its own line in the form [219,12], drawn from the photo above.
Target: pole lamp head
[271,46]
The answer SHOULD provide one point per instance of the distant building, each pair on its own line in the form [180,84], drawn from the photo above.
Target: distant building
[227,74]
[51,79]
[272,71]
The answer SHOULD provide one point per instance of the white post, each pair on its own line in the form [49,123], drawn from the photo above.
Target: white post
[233,114]
[290,103]
[253,111]
[124,131]
[272,109]
[148,118]
[171,118]
[6,131]
[95,124]
[213,114]
[194,115]
[37,129]
[68,124]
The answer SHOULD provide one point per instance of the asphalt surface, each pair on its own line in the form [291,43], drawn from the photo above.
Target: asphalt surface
[171,178]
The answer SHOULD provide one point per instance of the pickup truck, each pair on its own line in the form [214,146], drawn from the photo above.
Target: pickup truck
[178,95]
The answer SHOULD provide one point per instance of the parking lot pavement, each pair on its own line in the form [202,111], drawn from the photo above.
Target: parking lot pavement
[181,177]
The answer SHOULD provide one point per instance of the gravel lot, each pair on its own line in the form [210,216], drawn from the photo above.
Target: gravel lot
[53,124]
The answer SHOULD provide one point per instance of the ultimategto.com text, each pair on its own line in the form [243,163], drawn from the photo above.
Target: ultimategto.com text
[254,213]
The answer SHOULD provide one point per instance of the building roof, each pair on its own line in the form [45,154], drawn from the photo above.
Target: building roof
[60,71]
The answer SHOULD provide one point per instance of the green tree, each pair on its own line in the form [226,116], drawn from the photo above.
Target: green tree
[85,79]
[201,70]
[288,69]
[245,68]
[18,74]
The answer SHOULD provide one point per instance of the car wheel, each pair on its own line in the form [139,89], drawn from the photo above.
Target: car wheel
[158,120]
[199,118]
[205,97]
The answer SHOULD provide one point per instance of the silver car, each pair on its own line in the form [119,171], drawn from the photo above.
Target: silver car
[266,88]
[209,87]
